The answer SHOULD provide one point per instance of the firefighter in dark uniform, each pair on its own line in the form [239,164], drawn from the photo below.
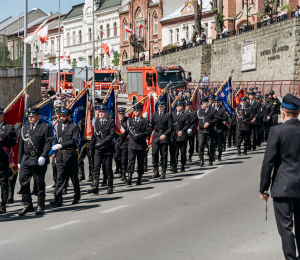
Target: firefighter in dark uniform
[232,131]
[66,157]
[138,130]
[280,170]
[7,140]
[220,126]
[192,128]
[35,145]
[255,111]
[275,108]
[259,119]
[102,140]
[122,145]
[244,118]
[161,123]
[266,111]
[181,123]
[207,117]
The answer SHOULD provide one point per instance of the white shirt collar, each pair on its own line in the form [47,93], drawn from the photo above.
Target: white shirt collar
[206,109]
[137,118]
[35,124]
[179,113]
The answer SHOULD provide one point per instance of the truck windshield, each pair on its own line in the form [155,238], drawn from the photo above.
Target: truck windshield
[104,77]
[175,77]
[68,78]
[45,76]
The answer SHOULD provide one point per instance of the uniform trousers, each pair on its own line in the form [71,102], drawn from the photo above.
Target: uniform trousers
[80,162]
[38,174]
[191,141]
[242,135]
[140,156]
[254,132]
[171,152]
[180,146]
[285,210]
[220,141]
[161,148]
[209,140]
[266,129]
[4,176]
[101,158]
[232,136]
[66,169]
[121,158]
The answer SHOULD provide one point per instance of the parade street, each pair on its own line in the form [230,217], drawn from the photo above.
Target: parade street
[204,213]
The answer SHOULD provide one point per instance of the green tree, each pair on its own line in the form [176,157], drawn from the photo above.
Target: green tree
[116,60]
[74,64]
[97,62]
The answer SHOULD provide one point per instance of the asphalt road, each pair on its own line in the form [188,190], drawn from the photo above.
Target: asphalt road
[204,213]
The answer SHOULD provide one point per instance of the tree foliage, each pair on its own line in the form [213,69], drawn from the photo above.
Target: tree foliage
[116,60]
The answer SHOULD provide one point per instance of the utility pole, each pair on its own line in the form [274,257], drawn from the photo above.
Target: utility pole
[25,46]
[58,79]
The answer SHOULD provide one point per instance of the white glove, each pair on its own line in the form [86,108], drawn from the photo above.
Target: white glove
[41,161]
[19,166]
[56,147]
[189,131]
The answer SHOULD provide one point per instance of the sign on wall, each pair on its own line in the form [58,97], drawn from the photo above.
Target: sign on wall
[249,57]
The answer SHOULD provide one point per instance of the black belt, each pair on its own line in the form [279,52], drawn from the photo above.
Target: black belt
[242,123]
[204,129]
[33,153]
[160,131]
[67,152]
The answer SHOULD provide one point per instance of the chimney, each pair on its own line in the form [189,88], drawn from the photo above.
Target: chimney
[50,14]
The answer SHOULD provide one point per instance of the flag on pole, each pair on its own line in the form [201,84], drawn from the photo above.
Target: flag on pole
[102,32]
[227,98]
[128,30]
[78,115]
[43,34]
[14,117]
[29,38]
[89,129]
[66,55]
[239,96]
[108,49]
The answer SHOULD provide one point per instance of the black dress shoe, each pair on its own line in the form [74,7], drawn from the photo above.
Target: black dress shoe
[210,163]
[110,191]
[3,208]
[182,169]
[56,203]
[75,202]
[25,210]
[94,191]
[145,169]
[104,184]
[89,179]
[190,160]
[139,182]
[10,201]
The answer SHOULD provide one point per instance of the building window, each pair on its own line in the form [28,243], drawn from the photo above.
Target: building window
[80,37]
[74,38]
[90,60]
[125,56]
[107,31]
[171,36]
[68,39]
[90,34]
[156,49]
[41,46]
[177,35]
[115,29]
[155,23]
[101,30]
[187,32]
[46,46]
[139,19]
[124,31]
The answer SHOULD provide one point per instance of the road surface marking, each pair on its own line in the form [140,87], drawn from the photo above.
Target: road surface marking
[115,208]
[206,173]
[181,185]
[152,196]
[49,187]
[65,224]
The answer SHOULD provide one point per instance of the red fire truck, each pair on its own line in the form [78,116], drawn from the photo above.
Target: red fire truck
[66,82]
[45,80]
[143,80]
[103,79]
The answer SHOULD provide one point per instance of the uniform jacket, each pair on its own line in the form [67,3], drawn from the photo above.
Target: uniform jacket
[180,123]
[255,111]
[68,139]
[163,126]
[123,141]
[210,116]
[222,116]
[193,121]
[266,110]
[39,145]
[243,117]
[104,135]
[9,139]
[275,106]
[138,132]
[282,158]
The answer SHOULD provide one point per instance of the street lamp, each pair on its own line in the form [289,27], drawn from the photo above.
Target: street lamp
[252,5]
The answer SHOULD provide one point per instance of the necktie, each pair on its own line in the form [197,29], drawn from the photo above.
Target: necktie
[101,122]
[31,127]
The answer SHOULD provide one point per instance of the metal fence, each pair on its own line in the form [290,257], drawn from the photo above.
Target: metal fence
[12,52]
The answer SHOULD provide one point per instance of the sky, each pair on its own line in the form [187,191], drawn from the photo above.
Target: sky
[8,9]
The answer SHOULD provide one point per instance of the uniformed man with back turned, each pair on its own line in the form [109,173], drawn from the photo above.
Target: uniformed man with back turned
[7,140]
[161,123]
[280,171]
[35,145]
[275,111]
[66,157]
